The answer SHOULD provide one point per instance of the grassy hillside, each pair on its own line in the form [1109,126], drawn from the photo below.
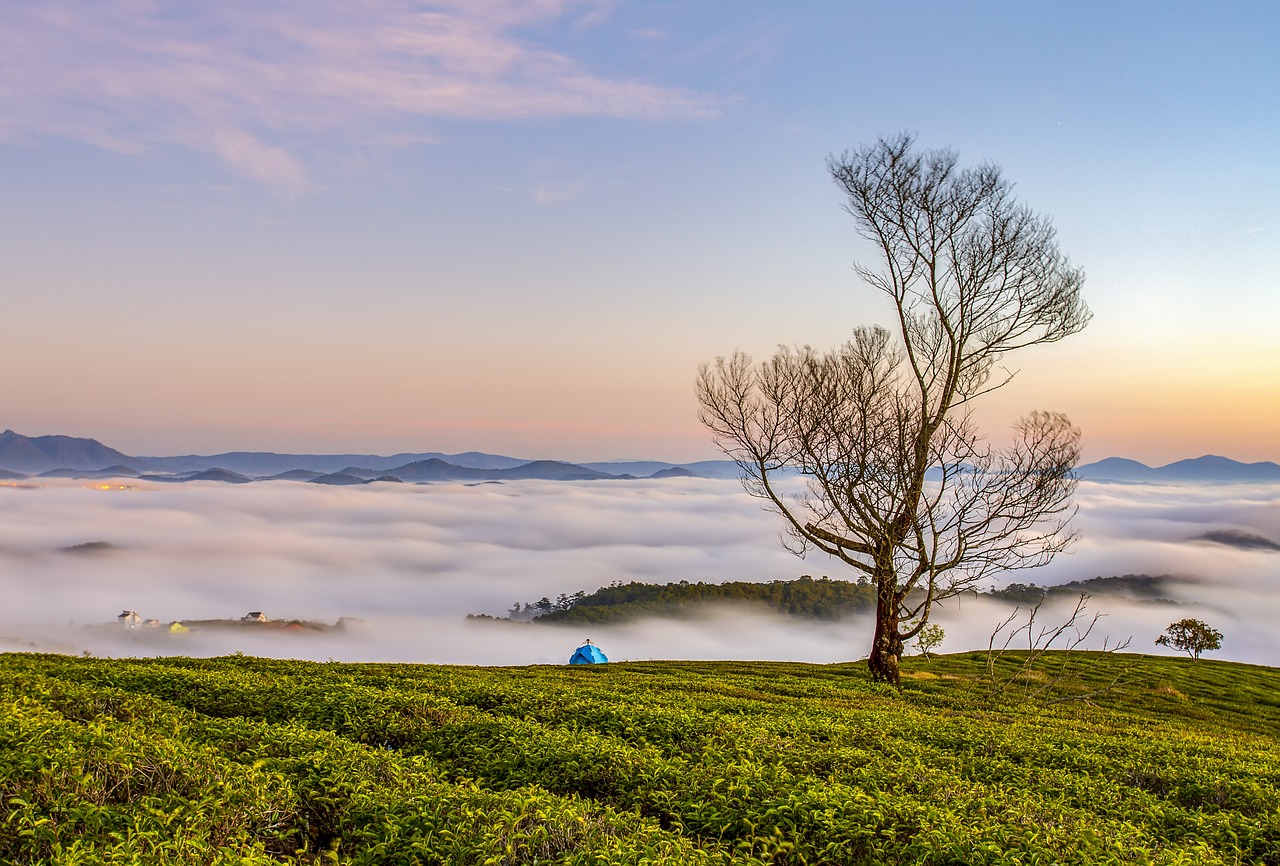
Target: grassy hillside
[245,760]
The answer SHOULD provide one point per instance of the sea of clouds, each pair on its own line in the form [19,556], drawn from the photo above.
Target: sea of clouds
[413,560]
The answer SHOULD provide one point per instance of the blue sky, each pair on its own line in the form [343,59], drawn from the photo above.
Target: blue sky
[520,226]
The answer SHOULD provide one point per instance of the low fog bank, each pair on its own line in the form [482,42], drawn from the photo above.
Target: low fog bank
[722,633]
[413,560]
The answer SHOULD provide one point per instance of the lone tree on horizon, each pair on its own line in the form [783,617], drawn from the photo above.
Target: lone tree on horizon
[1191,636]
[900,484]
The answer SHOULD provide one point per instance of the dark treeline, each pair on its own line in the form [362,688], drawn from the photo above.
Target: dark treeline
[806,597]
[1141,587]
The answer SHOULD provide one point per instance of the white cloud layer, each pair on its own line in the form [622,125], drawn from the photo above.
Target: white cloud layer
[413,560]
[249,82]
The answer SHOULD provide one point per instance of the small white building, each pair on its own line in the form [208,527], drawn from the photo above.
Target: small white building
[255,616]
[129,618]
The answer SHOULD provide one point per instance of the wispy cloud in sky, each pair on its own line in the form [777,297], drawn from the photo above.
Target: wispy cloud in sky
[557,194]
[253,83]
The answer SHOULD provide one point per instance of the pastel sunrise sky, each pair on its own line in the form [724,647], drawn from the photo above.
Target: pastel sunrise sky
[520,225]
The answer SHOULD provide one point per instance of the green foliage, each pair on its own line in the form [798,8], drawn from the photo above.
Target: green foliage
[806,597]
[244,760]
[822,598]
[930,638]
[1138,586]
[1192,636]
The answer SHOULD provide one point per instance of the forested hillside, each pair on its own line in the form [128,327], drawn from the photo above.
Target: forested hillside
[805,597]
[817,599]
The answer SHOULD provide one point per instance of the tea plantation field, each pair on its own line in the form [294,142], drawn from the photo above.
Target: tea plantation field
[251,761]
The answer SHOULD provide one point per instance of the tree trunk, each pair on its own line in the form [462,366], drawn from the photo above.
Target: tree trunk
[886,646]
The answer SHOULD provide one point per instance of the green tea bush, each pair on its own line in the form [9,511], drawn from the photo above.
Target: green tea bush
[243,760]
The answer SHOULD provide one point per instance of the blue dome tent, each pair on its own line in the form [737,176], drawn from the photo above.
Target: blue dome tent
[588,654]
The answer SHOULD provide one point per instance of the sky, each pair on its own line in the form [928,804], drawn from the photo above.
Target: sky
[518,226]
[428,555]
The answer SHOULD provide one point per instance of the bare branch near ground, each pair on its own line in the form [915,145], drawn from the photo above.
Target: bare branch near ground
[1052,659]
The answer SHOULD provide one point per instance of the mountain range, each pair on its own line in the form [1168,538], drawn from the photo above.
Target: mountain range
[73,457]
[1209,468]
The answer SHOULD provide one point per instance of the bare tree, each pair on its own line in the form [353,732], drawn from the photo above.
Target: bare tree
[1066,639]
[900,483]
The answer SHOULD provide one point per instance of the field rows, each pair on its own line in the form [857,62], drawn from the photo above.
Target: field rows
[244,760]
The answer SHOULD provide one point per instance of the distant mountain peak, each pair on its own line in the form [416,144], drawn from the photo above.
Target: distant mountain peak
[36,454]
[1119,461]
[1207,469]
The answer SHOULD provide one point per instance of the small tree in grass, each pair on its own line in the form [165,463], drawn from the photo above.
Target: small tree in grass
[1192,636]
[929,639]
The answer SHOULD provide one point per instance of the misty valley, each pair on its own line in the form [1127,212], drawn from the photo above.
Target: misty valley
[410,563]
[197,671]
